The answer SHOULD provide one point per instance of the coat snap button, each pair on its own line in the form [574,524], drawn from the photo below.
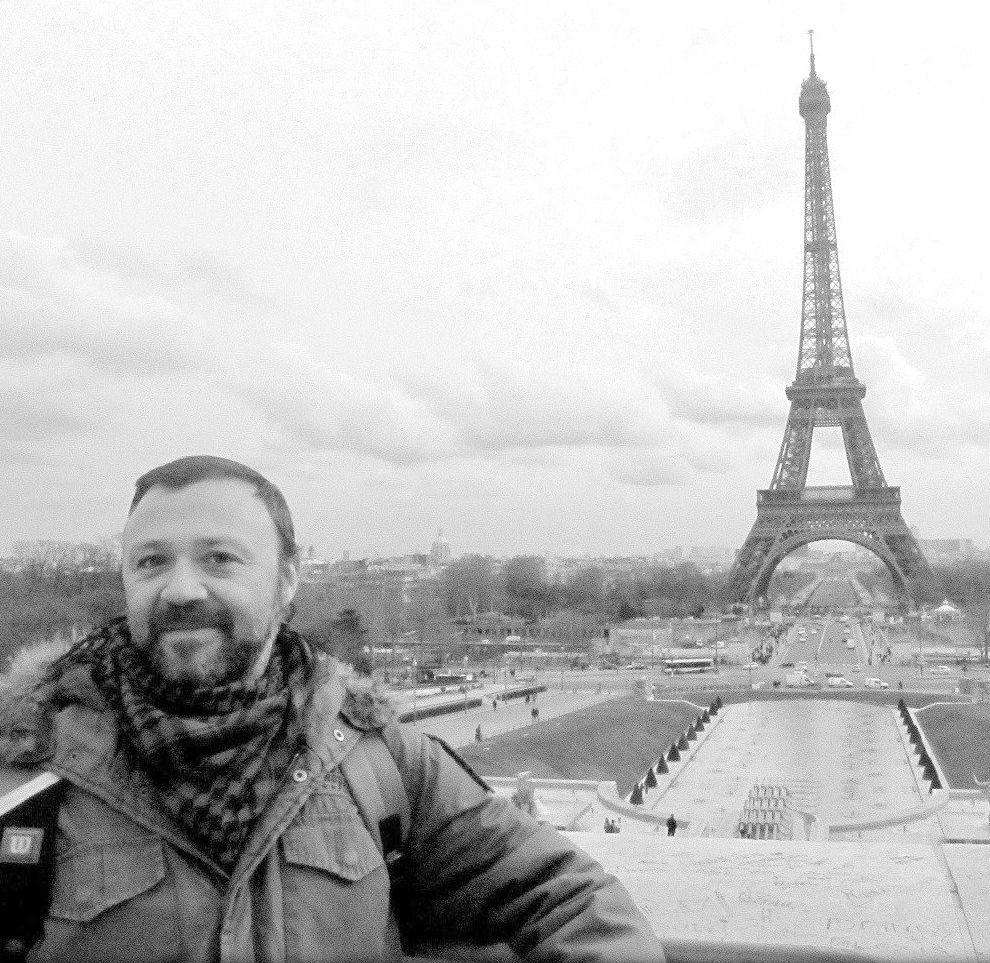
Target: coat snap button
[300,775]
[338,735]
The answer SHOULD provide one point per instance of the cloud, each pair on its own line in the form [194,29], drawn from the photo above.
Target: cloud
[55,301]
[647,468]
[44,402]
[703,398]
[111,321]
[728,179]
[325,408]
[909,410]
[502,402]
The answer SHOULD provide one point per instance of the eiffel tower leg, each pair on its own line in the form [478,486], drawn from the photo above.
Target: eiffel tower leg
[749,563]
[919,583]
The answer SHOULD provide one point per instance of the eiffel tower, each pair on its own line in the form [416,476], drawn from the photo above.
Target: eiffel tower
[825,393]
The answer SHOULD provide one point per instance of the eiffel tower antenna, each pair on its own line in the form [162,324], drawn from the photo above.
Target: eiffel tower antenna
[825,393]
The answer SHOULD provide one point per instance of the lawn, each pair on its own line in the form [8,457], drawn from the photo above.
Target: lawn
[615,740]
[960,738]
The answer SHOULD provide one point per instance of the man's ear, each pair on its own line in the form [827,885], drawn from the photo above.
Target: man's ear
[288,582]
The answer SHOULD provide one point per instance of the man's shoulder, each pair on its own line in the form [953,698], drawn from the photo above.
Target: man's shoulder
[361,702]
[367,704]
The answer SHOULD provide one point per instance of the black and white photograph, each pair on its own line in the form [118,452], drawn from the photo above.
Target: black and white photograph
[436,436]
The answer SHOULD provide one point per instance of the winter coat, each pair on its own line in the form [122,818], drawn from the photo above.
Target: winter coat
[311,883]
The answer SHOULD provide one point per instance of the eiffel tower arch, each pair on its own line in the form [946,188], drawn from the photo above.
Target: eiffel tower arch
[826,393]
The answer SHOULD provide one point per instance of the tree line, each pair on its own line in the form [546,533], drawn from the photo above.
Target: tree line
[524,587]
[57,586]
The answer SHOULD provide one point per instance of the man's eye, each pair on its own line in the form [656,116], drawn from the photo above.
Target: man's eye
[221,558]
[149,561]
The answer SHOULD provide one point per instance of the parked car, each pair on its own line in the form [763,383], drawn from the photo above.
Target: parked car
[636,665]
[787,665]
[875,684]
[838,682]
[751,665]
[940,670]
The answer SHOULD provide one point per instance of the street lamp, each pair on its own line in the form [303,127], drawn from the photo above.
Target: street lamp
[415,685]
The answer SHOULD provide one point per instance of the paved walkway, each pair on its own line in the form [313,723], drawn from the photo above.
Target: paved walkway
[847,756]
[458,728]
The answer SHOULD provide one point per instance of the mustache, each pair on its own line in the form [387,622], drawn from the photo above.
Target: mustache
[196,615]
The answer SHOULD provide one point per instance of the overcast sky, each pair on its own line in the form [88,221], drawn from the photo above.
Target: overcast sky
[526,271]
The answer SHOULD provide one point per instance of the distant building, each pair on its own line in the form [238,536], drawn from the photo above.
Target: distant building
[710,557]
[440,550]
[946,549]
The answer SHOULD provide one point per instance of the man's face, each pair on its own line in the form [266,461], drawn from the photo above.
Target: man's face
[203,580]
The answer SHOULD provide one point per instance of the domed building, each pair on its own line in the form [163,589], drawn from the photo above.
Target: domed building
[440,549]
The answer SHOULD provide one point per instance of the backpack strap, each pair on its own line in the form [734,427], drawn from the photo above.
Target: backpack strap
[376,784]
[29,803]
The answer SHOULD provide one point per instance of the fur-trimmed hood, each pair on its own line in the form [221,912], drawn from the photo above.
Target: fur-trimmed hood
[28,701]
[367,704]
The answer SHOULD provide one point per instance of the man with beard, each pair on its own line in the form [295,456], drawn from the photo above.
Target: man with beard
[230,794]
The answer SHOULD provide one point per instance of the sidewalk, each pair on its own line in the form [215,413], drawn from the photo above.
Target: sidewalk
[458,728]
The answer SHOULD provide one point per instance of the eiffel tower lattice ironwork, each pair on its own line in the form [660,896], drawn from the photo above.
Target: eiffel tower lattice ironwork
[825,393]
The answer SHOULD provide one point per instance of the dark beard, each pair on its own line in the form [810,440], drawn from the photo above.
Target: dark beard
[231,660]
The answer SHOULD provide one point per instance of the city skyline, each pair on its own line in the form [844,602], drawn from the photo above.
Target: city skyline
[530,276]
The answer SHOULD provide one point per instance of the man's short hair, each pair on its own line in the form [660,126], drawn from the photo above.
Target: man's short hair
[196,468]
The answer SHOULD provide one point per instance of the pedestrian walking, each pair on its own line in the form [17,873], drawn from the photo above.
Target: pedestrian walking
[477,734]
[671,825]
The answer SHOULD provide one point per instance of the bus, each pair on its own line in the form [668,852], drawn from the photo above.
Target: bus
[683,666]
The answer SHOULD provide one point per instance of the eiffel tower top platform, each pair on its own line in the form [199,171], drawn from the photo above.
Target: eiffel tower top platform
[826,393]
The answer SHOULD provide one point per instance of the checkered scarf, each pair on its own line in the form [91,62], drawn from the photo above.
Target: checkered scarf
[208,750]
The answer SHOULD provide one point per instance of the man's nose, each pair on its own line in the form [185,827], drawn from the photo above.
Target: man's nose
[184,584]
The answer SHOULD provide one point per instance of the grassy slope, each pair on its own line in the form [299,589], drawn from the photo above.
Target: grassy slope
[960,738]
[614,740]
